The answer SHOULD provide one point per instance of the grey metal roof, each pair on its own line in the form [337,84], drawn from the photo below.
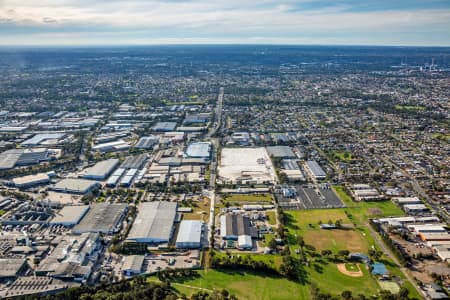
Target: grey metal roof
[154,221]
[102,217]
[280,151]
[315,168]
[74,185]
[202,149]
[190,232]
[102,168]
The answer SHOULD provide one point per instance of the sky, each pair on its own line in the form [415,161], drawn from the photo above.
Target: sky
[146,22]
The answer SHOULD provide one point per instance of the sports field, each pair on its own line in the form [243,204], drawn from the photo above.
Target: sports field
[306,224]
[245,285]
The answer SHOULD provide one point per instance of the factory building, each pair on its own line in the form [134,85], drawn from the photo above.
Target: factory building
[199,150]
[238,227]
[102,218]
[280,152]
[70,215]
[76,186]
[100,170]
[165,126]
[154,223]
[314,171]
[31,180]
[23,157]
[190,235]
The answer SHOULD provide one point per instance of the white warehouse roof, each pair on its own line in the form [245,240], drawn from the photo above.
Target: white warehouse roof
[189,234]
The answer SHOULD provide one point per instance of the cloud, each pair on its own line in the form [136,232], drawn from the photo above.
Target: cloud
[217,20]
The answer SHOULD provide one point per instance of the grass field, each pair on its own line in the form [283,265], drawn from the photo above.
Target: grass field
[351,267]
[360,212]
[241,199]
[343,155]
[245,285]
[305,223]
[331,280]
[271,217]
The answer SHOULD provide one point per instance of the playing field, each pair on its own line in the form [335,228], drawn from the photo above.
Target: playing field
[306,224]
[245,285]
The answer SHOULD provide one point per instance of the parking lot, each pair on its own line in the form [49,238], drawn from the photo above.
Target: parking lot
[310,197]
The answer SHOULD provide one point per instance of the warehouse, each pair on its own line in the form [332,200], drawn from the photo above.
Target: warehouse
[100,170]
[132,265]
[23,157]
[11,267]
[189,235]
[134,162]
[234,225]
[199,150]
[102,218]
[280,152]
[165,126]
[118,145]
[147,142]
[31,180]
[313,169]
[70,215]
[44,138]
[76,186]
[154,223]
[115,177]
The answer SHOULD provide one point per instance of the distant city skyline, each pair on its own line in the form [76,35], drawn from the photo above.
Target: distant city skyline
[140,22]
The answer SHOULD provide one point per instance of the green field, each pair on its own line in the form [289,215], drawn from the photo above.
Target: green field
[343,155]
[306,223]
[351,267]
[246,199]
[271,217]
[245,285]
[332,281]
[360,212]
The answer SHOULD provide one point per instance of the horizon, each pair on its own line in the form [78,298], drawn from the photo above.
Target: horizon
[191,22]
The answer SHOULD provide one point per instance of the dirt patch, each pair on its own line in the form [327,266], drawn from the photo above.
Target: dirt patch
[374,211]
[343,270]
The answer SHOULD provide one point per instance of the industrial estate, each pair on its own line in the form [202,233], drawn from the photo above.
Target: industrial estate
[235,178]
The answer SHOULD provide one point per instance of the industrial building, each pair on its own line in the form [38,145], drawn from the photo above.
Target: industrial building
[119,145]
[199,150]
[147,142]
[73,257]
[70,215]
[238,227]
[100,170]
[280,152]
[102,218]
[165,126]
[132,265]
[76,186]
[314,171]
[44,138]
[23,157]
[154,223]
[31,180]
[11,267]
[189,235]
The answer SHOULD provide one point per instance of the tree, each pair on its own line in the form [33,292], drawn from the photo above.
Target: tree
[403,294]
[326,252]
[272,244]
[347,295]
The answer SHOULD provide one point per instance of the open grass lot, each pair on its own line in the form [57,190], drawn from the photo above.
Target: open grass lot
[361,211]
[409,107]
[200,211]
[321,239]
[245,285]
[271,217]
[343,155]
[239,198]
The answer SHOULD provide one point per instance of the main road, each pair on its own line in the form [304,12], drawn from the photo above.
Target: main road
[215,146]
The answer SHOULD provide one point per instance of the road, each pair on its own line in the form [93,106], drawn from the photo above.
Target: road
[215,146]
